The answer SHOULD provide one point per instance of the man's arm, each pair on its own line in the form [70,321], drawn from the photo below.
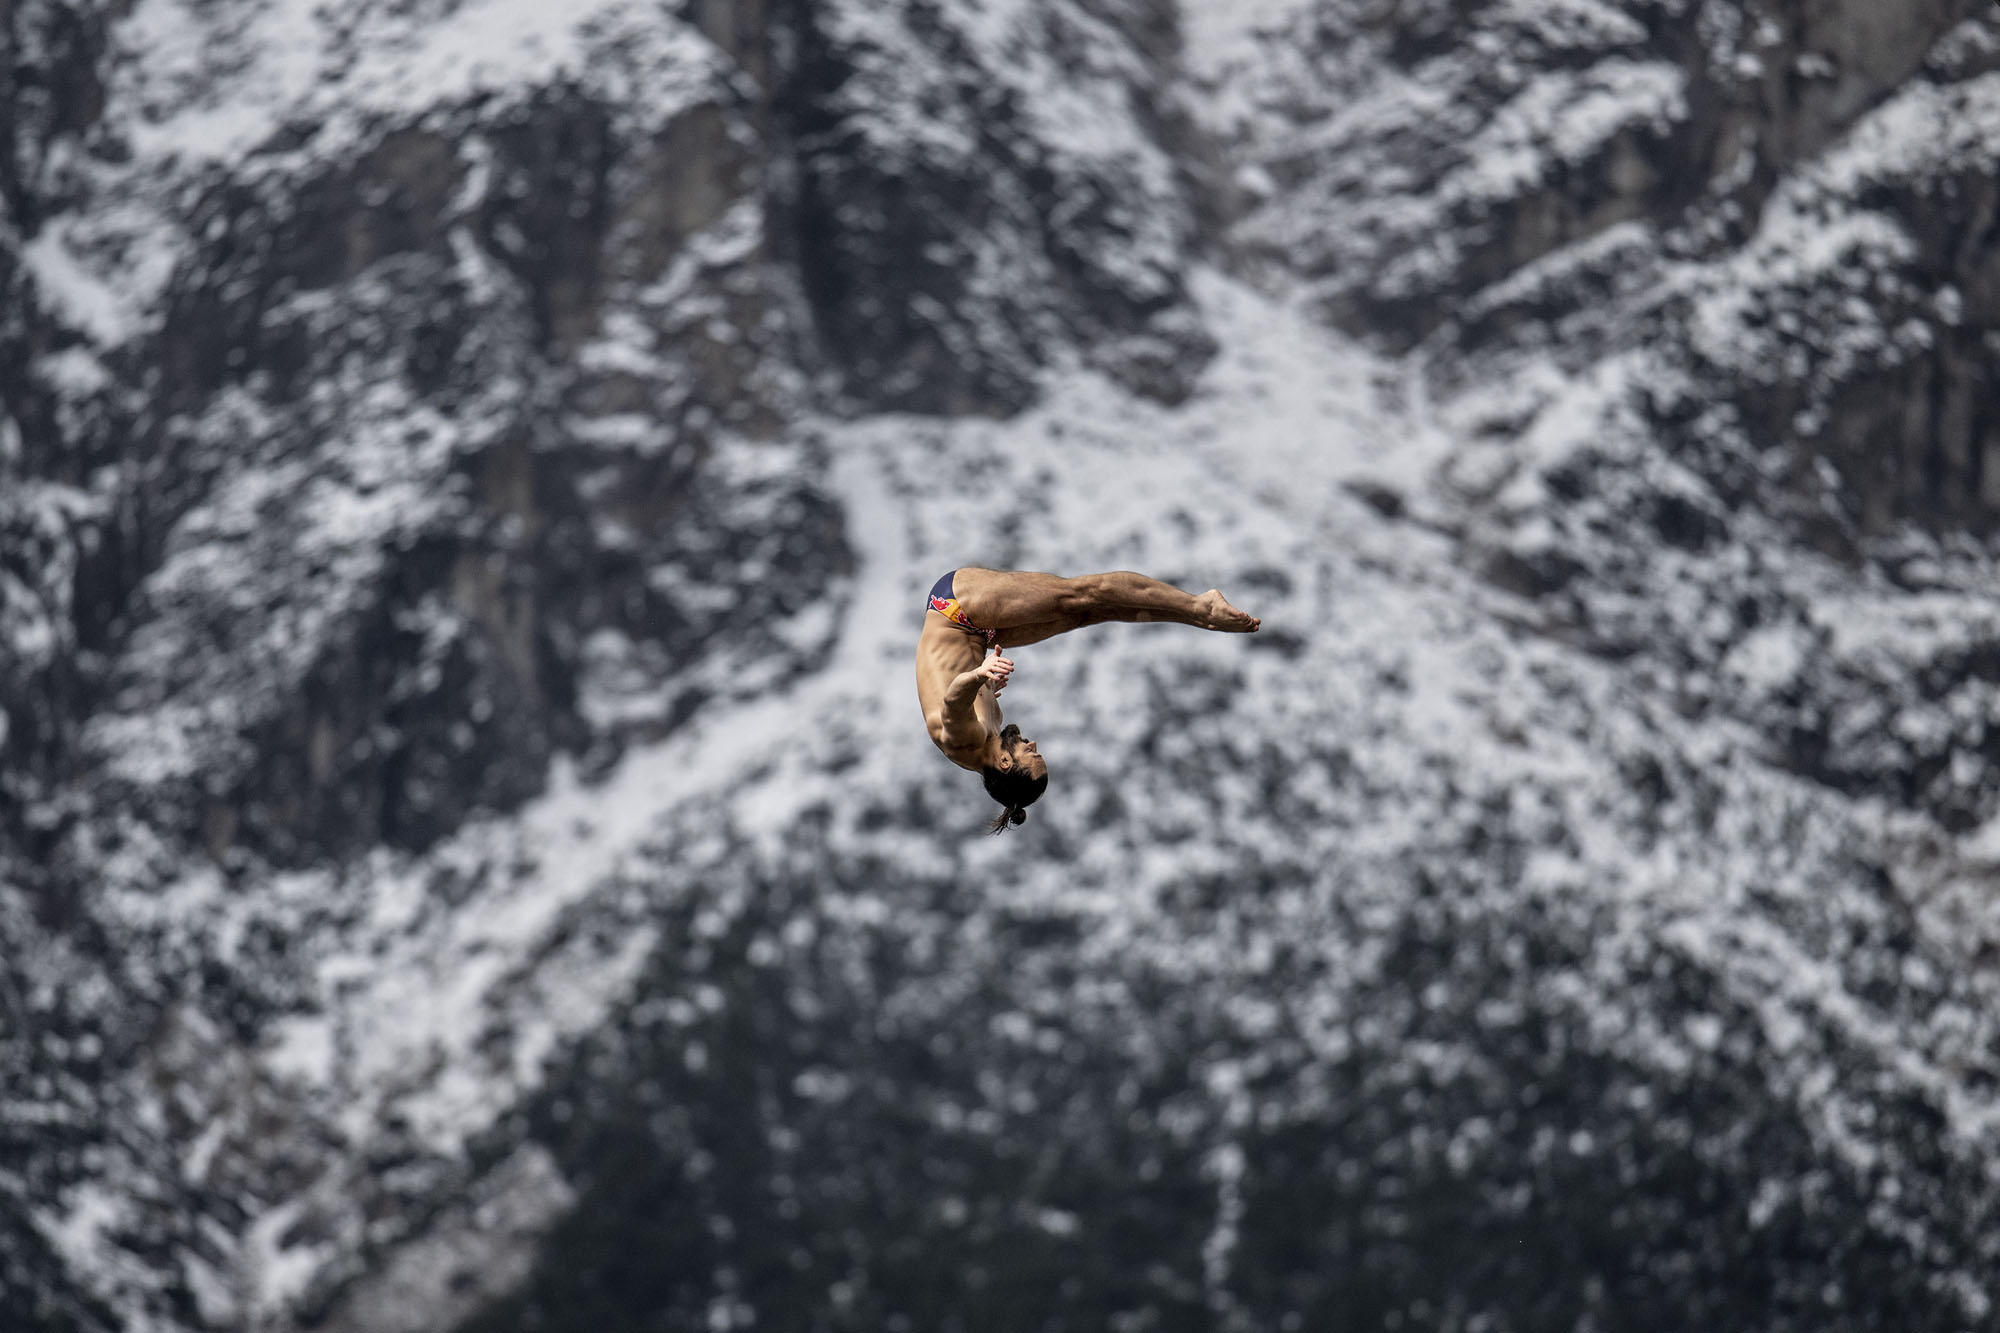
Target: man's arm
[962,728]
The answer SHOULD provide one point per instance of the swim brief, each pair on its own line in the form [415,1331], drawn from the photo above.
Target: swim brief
[946,604]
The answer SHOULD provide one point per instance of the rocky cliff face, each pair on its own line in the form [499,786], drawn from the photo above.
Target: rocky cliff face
[467,857]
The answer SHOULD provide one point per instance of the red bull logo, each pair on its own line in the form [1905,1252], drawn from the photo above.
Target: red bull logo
[949,608]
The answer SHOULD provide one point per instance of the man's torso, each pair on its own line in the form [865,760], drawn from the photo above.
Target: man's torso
[944,653]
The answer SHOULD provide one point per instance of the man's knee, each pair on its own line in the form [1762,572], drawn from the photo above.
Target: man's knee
[1084,594]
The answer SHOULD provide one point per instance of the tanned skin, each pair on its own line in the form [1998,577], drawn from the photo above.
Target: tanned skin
[959,683]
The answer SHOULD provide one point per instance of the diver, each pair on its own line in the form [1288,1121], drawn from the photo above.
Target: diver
[962,667]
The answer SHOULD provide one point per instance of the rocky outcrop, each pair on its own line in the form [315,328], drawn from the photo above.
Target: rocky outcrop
[427,333]
[1538,130]
[956,232]
[1827,283]
[1882,368]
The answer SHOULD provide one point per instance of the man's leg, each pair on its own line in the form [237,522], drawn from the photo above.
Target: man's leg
[1028,607]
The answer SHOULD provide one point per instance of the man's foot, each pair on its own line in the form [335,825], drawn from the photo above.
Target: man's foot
[1220,615]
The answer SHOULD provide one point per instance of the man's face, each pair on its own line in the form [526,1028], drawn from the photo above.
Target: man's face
[1027,758]
[1023,752]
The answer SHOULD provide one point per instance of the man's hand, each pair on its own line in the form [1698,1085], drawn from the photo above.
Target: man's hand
[995,670]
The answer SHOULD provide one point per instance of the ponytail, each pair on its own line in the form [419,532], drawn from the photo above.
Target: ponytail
[1013,814]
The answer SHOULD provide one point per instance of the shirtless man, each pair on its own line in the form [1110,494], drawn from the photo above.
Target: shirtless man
[972,611]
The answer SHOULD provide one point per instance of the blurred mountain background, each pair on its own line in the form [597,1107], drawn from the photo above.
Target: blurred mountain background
[470,858]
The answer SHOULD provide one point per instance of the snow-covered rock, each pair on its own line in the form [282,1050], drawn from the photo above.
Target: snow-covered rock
[469,857]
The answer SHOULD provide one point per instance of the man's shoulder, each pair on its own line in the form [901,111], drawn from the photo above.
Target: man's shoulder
[967,755]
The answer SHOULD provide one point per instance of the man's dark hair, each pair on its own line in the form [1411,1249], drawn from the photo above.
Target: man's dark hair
[1012,787]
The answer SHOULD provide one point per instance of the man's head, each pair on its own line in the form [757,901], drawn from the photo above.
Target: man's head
[1016,775]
